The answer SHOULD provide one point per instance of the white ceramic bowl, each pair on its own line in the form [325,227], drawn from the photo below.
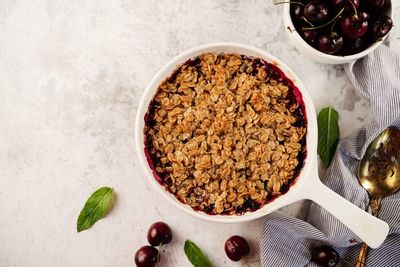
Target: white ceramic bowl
[223,48]
[317,55]
[307,186]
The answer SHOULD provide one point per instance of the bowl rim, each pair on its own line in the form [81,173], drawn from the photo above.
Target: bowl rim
[289,26]
[226,47]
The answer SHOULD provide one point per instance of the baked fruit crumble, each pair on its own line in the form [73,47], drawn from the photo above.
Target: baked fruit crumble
[225,133]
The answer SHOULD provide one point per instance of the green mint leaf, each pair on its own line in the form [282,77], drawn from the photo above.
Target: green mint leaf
[196,256]
[328,134]
[96,207]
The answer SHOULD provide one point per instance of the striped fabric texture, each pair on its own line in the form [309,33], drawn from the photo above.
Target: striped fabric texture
[287,241]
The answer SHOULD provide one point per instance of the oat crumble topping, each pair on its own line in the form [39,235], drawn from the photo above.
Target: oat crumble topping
[225,133]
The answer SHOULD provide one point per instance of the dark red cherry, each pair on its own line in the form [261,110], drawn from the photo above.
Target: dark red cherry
[364,15]
[310,36]
[374,5]
[352,26]
[330,43]
[353,46]
[236,247]
[297,11]
[380,26]
[325,256]
[348,5]
[316,12]
[147,256]
[159,234]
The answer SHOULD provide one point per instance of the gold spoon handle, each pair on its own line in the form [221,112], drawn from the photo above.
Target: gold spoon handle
[362,256]
[375,205]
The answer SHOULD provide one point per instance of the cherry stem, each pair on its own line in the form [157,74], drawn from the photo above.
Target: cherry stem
[355,9]
[297,3]
[158,254]
[290,2]
[326,24]
[334,23]
[309,23]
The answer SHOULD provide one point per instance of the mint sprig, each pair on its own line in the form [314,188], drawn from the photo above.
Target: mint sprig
[196,256]
[328,134]
[96,207]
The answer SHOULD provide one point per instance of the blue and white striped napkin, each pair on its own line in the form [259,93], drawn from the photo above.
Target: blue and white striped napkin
[286,241]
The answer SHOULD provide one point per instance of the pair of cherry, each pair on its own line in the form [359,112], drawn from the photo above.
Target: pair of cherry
[158,234]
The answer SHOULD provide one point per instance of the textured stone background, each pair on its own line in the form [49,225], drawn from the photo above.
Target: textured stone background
[72,74]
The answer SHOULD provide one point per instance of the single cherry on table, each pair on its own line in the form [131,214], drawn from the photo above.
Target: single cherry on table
[147,256]
[236,247]
[159,234]
[325,256]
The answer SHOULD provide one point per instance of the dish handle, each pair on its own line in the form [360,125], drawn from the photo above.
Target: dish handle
[368,228]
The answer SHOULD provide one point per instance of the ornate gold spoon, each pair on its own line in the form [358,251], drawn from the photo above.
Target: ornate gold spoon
[379,173]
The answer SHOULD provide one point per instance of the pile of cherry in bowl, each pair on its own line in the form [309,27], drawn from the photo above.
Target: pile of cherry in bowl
[341,27]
